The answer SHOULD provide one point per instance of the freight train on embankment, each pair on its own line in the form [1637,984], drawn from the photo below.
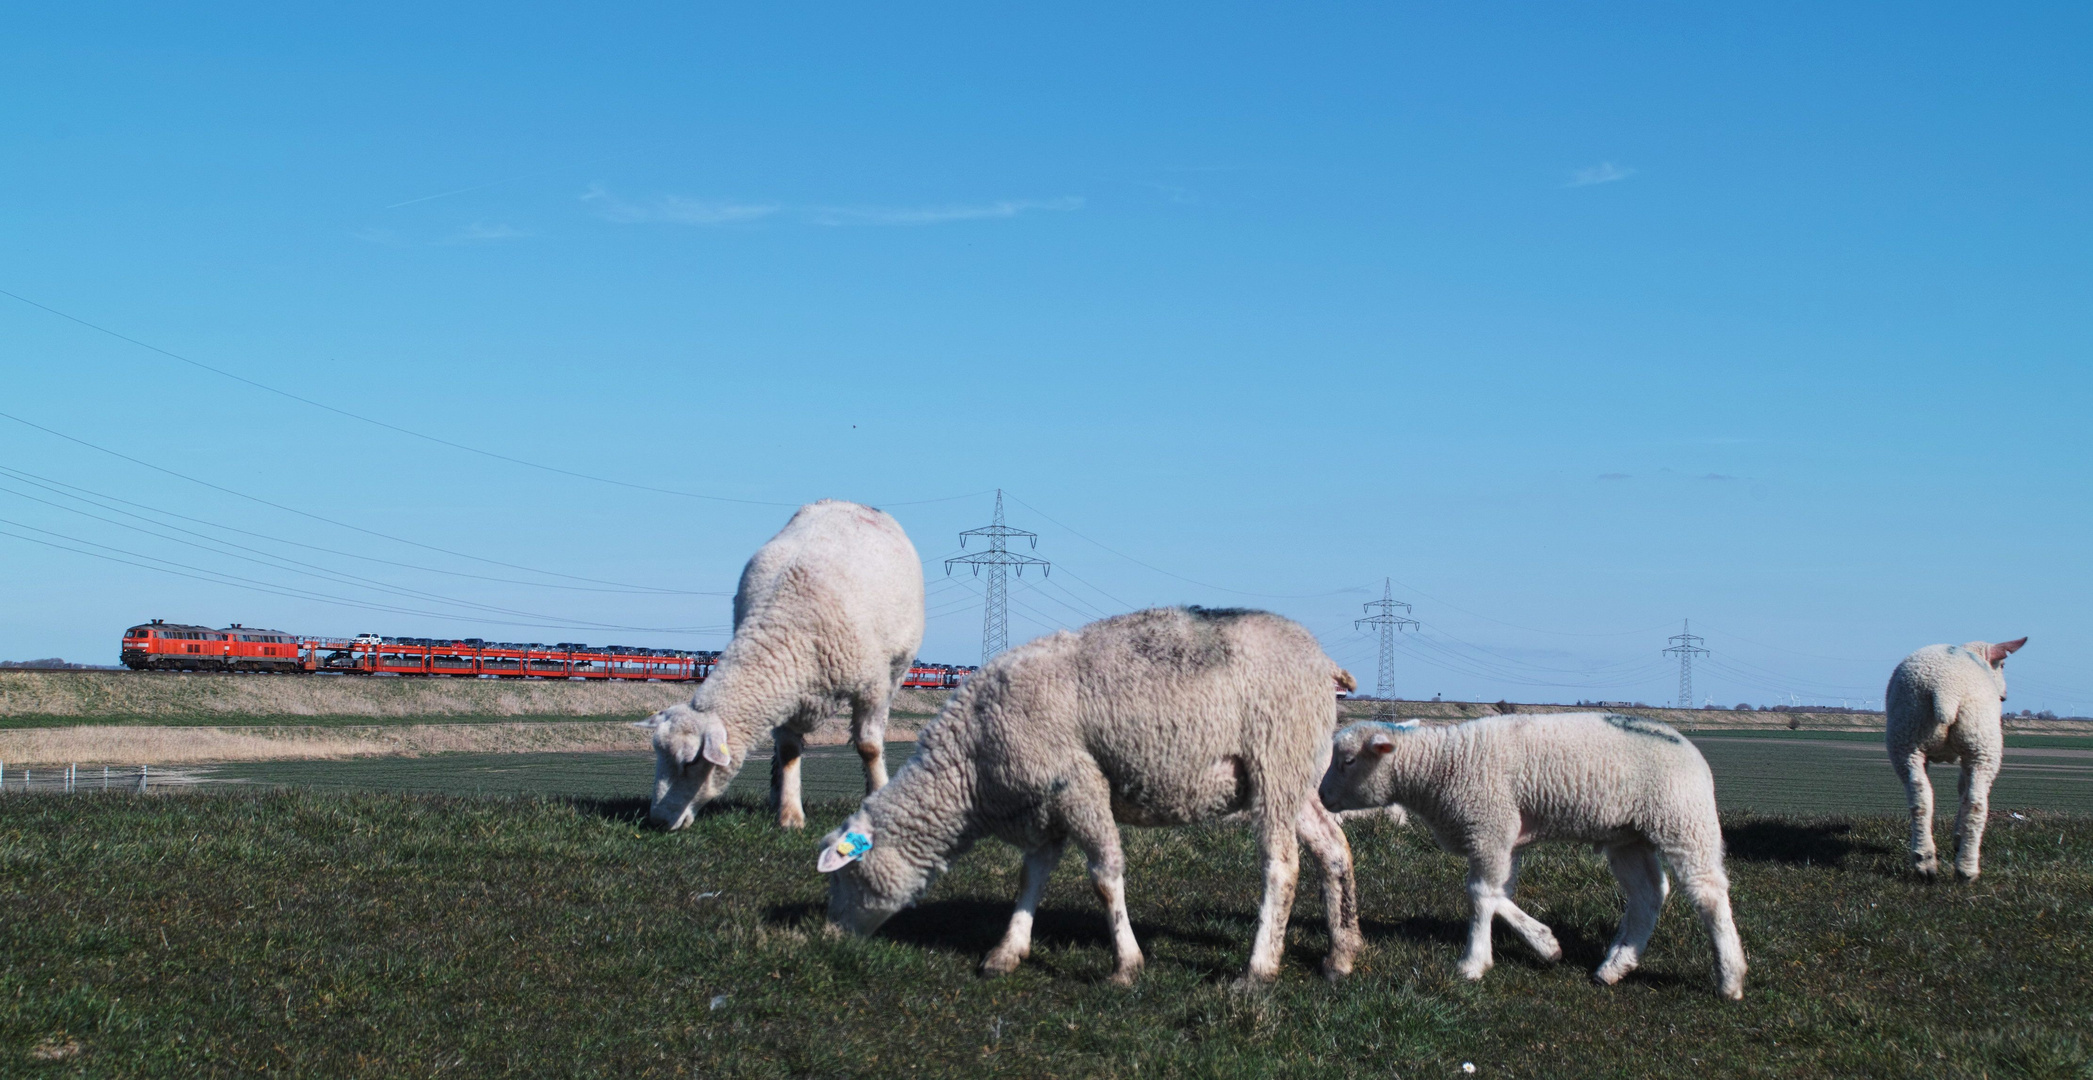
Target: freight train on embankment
[163,646]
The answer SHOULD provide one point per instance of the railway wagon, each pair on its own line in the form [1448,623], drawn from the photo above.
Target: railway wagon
[159,645]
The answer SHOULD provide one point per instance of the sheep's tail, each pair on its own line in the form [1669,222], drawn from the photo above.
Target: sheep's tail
[1344,679]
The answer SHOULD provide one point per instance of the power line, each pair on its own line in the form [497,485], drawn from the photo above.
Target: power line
[321,405]
[305,514]
[53,486]
[998,560]
[1166,573]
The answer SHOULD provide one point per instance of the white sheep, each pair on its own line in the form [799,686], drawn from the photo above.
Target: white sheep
[1487,788]
[829,613]
[1943,705]
[1160,717]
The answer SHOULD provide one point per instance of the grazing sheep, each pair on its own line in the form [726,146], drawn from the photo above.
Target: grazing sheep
[1943,705]
[829,613]
[1487,788]
[1160,717]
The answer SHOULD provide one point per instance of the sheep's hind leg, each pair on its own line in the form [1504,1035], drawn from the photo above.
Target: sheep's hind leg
[1282,863]
[1642,882]
[1918,791]
[1702,879]
[1975,789]
[1017,941]
[784,778]
[868,729]
[1320,830]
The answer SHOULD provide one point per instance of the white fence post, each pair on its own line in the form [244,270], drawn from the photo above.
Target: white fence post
[141,778]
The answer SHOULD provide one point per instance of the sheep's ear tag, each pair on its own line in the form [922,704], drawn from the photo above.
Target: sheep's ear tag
[847,849]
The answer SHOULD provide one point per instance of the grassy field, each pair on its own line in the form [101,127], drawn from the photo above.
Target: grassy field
[316,933]
[1782,772]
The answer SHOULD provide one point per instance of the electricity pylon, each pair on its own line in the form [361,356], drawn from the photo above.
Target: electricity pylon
[998,559]
[1387,622]
[1686,646]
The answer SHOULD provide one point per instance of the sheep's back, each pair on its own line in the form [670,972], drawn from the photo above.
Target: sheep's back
[1592,776]
[1170,706]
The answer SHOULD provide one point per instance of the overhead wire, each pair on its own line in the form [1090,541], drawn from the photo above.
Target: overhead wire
[220,578]
[52,486]
[307,514]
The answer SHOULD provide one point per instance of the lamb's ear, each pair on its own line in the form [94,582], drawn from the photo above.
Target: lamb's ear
[2004,649]
[714,747]
[652,723]
[1381,745]
[848,848]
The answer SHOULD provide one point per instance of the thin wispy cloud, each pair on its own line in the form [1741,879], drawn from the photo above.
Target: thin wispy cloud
[677,210]
[674,209]
[479,232]
[1605,172]
[935,215]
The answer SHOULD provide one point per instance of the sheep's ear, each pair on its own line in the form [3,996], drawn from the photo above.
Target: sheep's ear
[2004,649]
[1380,745]
[848,848]
[713,748]
[652,723]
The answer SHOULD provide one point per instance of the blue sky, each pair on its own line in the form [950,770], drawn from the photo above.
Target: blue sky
[1575,321]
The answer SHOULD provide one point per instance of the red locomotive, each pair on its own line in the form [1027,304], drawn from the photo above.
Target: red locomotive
[165,646]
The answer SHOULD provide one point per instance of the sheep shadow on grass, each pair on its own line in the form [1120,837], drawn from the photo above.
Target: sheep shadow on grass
[1797,843]
[972,926]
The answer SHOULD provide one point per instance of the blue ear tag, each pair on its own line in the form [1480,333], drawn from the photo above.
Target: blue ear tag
[853,845]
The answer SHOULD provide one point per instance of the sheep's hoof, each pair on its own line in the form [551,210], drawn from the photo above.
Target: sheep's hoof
[1965,875]
[1126,975]
[792,821]
[1471,972]
[1335,968]
[1607,976]
[1000,963]
[1733,993]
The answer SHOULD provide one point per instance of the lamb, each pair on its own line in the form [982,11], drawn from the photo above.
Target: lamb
[829,613]
[1943,705]
[1161,717]
[1487,788]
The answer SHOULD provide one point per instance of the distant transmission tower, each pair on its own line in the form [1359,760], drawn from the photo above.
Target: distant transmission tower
[1387,622]
[995,621]
[1686,646]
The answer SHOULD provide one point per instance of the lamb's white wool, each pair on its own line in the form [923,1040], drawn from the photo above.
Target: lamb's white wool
[829,614]
[1159,717]
[1943,705]
[1489,787]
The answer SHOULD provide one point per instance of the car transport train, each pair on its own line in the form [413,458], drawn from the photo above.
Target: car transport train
[163,646]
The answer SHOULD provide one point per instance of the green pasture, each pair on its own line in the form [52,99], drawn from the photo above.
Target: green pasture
[249,932]
[1780,772]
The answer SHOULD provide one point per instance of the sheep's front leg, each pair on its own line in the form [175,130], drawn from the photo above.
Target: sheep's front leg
[1641,878]
[1975,789]
[1321,831]
[784,778]
[1487,873]
[1533,931]
[1918,791]
[1091,826]
[1017,941]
